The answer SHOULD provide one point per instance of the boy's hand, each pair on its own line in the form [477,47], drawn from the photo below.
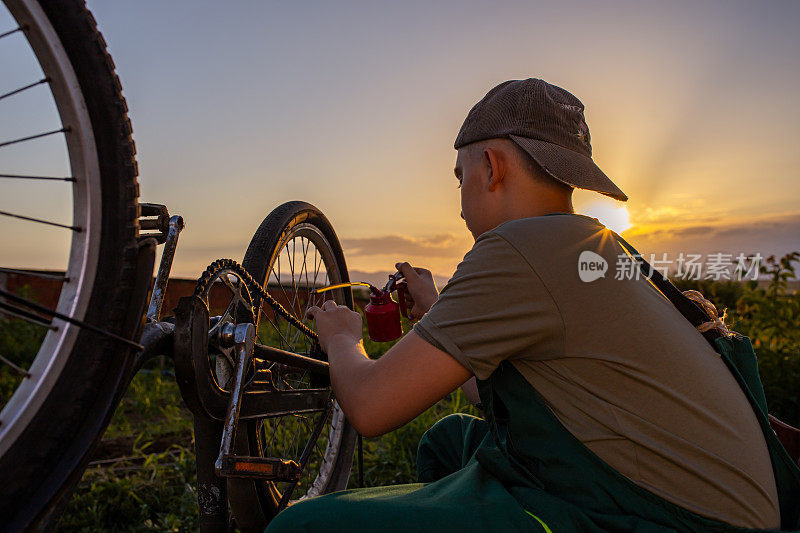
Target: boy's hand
[335,324]
[421,289]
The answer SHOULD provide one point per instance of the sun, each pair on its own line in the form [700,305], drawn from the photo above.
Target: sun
[613,217]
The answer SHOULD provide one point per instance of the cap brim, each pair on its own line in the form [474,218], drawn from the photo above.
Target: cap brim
[569,167]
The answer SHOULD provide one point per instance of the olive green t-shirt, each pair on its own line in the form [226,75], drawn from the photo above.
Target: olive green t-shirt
[615,361]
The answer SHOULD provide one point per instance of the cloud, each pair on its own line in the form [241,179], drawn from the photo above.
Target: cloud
[441,245]
[693,230]
[771,234]
[690,211]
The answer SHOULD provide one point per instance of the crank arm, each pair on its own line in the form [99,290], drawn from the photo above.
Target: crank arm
[173,228]
[244,340]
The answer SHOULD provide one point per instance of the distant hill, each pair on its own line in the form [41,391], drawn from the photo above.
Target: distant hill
[379,279]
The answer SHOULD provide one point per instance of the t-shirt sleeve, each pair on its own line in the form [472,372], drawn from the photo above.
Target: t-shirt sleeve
[495,307]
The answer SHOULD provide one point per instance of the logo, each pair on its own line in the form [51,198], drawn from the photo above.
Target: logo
[591,266]
[583,135]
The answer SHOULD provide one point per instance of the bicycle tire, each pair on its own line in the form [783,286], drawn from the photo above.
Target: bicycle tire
[254,503]
[43,463]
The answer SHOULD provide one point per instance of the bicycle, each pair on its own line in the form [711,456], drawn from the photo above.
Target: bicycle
[256,367]
[252,375]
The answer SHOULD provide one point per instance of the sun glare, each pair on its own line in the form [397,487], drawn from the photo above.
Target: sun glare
[613,217]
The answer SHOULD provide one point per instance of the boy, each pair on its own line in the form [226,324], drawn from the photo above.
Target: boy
[605,409]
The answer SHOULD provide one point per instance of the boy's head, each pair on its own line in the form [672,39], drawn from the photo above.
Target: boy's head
[521,150]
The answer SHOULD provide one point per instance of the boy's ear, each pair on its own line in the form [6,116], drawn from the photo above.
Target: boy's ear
[496,167]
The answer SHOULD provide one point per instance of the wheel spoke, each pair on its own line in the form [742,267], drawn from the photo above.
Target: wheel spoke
[275,433]
[305,266]
[301,316]
[44,310]
[298,334]
[316,266]
[18,370]
[25,88]
[279,283]
[290,259]
[295,305]
[296,294]
[10,32]
[306,455]
[45,275]
[292,263]
[296,433]
[46,178]
[32,137]
[27,316]
[277,329]
[317,257]
[309,284]
[40,221]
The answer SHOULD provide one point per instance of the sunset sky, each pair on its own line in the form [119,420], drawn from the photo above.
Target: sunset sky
[354,107]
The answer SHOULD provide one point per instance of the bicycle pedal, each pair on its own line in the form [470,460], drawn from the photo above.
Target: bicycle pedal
[262,374]
[262,380]
[266,468]
[153,222]
[260,386]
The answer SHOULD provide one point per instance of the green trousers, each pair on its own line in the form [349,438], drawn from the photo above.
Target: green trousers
[522,470]
[454,492]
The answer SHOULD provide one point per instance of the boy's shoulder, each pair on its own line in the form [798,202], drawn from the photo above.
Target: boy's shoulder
[546,233]
[551,222]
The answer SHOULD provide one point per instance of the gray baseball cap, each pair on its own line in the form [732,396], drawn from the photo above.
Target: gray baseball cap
[547,122]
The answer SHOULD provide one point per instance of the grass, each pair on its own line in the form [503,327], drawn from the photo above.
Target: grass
[153,486]
[391,459]
[145,479]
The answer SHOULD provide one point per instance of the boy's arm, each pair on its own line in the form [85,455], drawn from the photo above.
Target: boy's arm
[380,395]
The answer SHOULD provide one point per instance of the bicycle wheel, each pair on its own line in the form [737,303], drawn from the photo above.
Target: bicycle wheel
[59,392]
[294,250]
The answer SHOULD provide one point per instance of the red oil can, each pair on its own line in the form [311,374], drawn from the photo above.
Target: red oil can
[383,317]
[383,313]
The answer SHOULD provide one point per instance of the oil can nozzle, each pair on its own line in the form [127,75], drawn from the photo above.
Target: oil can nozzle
[392,283]
[372,288]
[383,313]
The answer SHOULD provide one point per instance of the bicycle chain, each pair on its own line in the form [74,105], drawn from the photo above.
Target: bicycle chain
[229,264]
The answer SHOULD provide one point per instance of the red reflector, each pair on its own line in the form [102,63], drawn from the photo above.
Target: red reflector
[253,467]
